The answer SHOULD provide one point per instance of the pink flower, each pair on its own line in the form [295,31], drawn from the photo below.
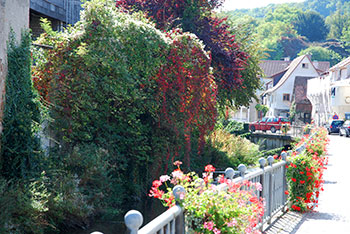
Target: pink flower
[258,186]
[164,178]
[216,231]
[232,223]
[177,173]
[209,225]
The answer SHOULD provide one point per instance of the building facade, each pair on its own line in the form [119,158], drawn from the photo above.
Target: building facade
[290,85]
[59,12]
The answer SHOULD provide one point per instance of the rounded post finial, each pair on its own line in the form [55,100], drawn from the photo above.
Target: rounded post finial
[179,192]
[242,169]
[229,173]
[133,221]
[284,155]
[262,162]
[270,160]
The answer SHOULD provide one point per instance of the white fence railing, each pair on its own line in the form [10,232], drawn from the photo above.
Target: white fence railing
[271,177]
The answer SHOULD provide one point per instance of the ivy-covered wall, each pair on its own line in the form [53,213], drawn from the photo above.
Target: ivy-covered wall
[13,14]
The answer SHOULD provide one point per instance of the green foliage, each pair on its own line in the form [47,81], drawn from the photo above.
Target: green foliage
[337,23]
[103,102]
[282,13]
[125,100]
[20,149]
[263,108]
[306,22]
[322,54]
[292,111]
[244,35]
[281,34]
[226,149]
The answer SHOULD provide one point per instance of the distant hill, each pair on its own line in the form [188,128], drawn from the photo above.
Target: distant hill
[290,29]
[324,7]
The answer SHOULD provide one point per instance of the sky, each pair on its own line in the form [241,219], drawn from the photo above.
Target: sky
[239,4]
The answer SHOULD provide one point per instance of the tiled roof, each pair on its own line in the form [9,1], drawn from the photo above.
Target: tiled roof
[290,70]
[272,67]
[322,66]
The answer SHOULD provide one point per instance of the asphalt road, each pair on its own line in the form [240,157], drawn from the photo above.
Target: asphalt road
[333,213]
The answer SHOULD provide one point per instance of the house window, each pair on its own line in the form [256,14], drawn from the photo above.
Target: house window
[286,97]
[305,65]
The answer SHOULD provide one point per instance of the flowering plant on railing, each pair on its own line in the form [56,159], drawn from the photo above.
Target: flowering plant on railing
[209,208]
[305,171]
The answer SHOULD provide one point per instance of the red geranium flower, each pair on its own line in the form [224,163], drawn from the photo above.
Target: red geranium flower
[209,168]
[156,183]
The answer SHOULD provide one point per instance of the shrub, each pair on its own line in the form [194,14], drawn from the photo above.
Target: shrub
[125,101]
[236,149]
[20,146]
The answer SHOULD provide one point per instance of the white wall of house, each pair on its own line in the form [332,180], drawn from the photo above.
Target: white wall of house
[340,88]
[318,92]
[275,99]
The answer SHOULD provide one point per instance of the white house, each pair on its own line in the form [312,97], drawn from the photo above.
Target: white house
[291,85]
[279,76]
[269,68]
[340,88]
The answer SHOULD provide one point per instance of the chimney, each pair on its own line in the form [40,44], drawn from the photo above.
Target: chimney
[309,56]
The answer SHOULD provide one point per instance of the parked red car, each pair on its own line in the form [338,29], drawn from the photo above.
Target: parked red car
[269,123]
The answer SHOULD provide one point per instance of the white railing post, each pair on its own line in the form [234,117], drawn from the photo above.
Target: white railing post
[284,195]
[262,162]
[229,173]
[133,221]
[270,160]
[242,169]
[179,194]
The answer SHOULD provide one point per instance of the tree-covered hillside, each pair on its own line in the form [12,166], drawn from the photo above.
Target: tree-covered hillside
[319,27]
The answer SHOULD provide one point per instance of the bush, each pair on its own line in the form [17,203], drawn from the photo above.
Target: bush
[20,145]
[227,150]
[125,101]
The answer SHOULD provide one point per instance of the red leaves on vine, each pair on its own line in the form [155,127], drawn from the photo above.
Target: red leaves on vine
[186,89]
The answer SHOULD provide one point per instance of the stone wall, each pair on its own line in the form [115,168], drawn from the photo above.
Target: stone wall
[273,141]
[13,14]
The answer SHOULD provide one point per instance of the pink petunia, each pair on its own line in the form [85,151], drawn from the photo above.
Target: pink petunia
[164,178]
[209,225]
[232,223]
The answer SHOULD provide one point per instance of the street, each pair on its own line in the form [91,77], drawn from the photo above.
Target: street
[333,213]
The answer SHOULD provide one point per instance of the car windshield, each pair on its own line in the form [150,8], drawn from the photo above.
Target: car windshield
[270,120]
[284,120]
[337,123]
